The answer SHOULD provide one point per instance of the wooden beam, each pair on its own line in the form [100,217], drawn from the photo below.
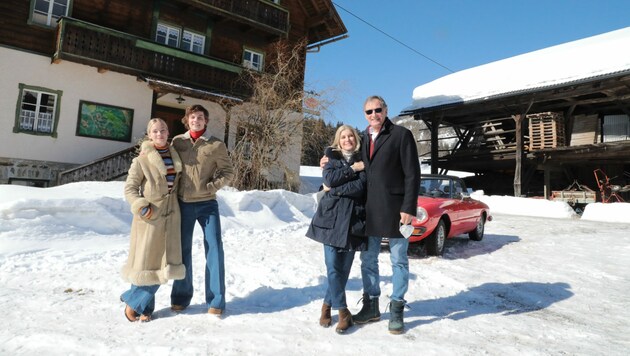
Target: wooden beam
[518,119]
[547,181]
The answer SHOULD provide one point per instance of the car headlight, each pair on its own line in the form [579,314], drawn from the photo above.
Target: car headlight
[421,215]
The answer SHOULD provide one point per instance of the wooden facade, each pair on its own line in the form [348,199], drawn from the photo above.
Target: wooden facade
[535,142]
[121,37]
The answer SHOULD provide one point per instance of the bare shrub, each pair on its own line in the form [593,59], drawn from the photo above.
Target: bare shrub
[269,124]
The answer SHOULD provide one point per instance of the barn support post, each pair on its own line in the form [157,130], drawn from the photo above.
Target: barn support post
[547,181]
[519,154]
[435,148]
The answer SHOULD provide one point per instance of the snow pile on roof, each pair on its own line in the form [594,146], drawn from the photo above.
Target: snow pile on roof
[600,55]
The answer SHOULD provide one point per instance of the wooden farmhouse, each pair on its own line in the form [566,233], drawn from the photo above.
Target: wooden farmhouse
[81,78]
[535,124]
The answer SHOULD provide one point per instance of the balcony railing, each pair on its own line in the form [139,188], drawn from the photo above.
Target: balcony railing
[253,11]
[90,44]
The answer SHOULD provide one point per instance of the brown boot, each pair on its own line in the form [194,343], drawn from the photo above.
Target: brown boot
[325,320]
[345,320]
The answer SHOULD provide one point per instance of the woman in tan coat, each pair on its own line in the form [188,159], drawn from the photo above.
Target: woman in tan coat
[155,254]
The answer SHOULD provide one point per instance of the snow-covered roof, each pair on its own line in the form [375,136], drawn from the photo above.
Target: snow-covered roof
[598,56]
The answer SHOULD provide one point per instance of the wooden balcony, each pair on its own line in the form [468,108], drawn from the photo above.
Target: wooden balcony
[260,14]
[108,49]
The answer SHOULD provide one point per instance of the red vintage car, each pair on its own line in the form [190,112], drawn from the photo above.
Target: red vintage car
[445,210]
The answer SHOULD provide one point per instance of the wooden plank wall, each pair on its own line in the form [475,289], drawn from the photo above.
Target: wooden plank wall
[15,31]
[585,130]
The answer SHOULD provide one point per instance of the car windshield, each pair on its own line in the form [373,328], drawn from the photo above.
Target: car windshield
[441,187]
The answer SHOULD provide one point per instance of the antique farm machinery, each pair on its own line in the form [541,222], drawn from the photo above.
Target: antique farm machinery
[609,192]
[576,195]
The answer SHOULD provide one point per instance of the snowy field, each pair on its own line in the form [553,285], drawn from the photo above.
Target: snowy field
[542,282]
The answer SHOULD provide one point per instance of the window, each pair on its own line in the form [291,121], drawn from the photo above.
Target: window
[252,60]
[47,12]
[172,36]
[40,183]
[458,187]
[616,128]
[38,111]
[193,42]
[167,35]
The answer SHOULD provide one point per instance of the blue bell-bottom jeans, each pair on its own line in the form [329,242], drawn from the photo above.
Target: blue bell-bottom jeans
[338,264]
[206,213]
[141,298]
[400,267]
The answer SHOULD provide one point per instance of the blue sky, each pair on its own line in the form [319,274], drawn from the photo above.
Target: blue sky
[458,34]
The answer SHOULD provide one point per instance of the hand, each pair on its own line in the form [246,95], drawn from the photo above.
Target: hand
[358,166]
[325,188]
[405,218]
[323,161]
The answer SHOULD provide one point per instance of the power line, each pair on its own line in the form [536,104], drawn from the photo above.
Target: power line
[386,34]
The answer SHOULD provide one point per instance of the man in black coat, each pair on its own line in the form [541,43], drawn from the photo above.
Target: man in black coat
[393,171]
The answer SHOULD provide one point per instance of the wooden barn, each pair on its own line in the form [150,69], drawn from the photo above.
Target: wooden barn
[538,124]
[81,78]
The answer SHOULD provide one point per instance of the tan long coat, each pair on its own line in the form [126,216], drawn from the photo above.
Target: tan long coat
[155,253]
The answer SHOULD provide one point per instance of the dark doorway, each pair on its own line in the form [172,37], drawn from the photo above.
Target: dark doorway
[173,118]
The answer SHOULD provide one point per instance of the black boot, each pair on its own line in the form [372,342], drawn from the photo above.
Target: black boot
[369,311]
[396,323]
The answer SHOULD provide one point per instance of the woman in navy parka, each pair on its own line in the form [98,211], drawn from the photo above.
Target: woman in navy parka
[339,221]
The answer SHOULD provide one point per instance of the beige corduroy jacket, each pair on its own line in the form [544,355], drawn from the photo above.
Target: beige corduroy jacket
[207,167]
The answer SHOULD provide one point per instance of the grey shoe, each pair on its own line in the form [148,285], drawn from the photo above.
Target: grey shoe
[369,312]
[396,323]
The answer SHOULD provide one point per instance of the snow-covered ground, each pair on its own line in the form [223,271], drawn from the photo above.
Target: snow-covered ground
[542,282]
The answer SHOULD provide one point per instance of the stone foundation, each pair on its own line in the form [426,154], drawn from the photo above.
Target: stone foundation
[30,172]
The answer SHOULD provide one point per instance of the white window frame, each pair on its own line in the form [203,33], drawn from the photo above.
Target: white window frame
[196,44]
[253,59]
[172,32]
[47,12]
[37,117]
[178,37]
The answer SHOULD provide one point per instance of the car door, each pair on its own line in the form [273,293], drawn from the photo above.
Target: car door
[469,211]
[457,206]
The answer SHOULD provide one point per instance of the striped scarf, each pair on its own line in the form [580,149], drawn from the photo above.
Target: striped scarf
[170,168]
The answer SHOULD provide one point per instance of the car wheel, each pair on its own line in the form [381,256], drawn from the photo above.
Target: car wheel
[435,242]
[477,233]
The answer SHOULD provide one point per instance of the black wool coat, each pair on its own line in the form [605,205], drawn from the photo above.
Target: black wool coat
[393,174]
[332,222]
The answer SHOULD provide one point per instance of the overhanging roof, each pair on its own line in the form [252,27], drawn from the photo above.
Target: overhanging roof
[596,58]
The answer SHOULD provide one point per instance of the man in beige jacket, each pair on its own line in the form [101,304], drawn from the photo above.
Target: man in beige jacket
[206,169]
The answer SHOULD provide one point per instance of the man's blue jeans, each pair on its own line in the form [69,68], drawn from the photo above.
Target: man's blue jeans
[141,298]
[338,264]
[400,267]
[207,214]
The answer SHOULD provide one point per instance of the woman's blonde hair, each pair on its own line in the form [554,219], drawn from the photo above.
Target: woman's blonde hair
[342,128]
[152,122]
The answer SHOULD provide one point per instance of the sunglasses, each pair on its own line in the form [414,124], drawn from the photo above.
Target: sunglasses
[377,110]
